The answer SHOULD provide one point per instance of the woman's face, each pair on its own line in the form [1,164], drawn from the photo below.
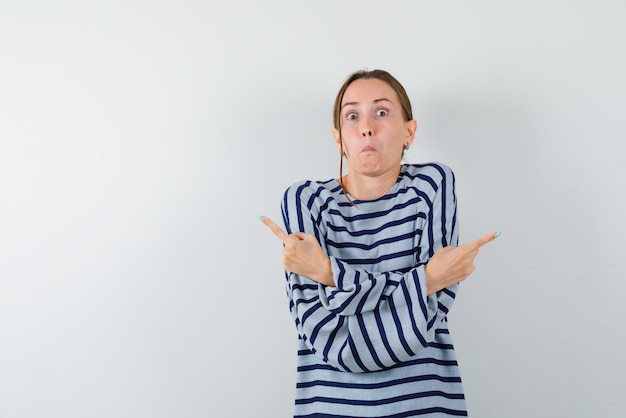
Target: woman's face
[373,128]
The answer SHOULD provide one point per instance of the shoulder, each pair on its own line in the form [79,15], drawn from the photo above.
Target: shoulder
[309,190]
[433,173]
[306,200]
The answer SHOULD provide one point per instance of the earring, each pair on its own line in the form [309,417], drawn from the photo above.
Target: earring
[406,146]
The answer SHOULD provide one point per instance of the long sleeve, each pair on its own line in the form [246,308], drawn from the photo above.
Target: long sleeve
[441,231]
[371,320]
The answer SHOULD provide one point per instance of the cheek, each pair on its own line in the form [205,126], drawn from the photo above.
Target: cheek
[349,129]
[349,135]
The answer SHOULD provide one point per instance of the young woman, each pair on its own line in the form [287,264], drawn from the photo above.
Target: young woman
[372,268]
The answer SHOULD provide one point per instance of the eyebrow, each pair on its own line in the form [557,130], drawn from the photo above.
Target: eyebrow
[383,99]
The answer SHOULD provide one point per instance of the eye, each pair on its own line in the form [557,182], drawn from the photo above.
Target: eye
[351,116]
[382,112]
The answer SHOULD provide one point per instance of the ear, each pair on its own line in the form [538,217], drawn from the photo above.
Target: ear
[411,128]
[337,138]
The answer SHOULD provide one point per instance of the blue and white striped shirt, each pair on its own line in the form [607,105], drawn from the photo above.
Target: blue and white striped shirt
[376,345]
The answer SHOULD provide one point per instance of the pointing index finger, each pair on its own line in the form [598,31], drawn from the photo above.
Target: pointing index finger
[275,228]
[479,242]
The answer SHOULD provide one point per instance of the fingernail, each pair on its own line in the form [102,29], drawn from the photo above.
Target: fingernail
[261,219]
[498,234]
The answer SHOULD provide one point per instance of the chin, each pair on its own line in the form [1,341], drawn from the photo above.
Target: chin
[371,171]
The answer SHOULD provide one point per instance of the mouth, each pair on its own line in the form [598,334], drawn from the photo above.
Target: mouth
[368,149]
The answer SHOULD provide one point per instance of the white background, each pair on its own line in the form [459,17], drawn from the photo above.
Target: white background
[140,141]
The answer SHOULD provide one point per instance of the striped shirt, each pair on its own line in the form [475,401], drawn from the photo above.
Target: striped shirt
[375,345]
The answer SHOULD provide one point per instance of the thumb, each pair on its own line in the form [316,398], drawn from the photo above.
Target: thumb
[302,236]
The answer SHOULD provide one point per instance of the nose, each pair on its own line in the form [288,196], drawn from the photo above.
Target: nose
[367,128]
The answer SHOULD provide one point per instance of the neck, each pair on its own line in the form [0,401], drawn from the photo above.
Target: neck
[363,187]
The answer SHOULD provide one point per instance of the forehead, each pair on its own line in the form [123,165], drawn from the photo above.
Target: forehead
[368,90]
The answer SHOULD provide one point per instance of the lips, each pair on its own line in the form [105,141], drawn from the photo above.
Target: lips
[368,149]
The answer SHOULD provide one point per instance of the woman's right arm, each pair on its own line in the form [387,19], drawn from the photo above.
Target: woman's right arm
[361,338]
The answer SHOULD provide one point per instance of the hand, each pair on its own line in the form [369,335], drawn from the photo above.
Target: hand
[451,265]
[303,255]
